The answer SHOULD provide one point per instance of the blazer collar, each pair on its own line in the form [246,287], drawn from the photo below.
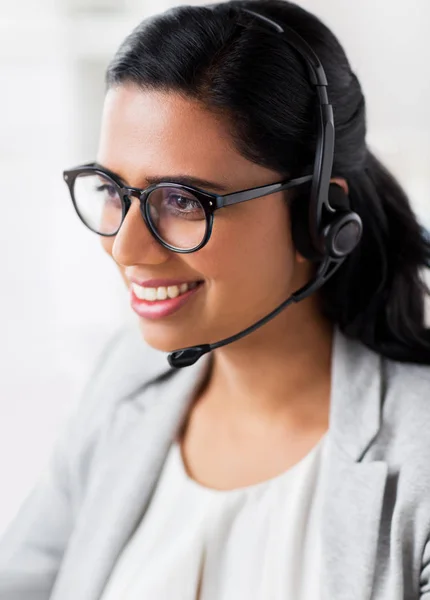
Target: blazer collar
[353,485]
[356,397]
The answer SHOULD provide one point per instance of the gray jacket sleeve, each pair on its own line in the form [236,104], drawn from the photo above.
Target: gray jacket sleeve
[33,544]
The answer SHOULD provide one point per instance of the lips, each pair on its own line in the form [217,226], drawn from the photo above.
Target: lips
[155,309]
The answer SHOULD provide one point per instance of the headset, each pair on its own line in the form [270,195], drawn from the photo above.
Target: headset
[324,228]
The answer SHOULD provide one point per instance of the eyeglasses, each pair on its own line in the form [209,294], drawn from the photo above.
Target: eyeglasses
[180,217]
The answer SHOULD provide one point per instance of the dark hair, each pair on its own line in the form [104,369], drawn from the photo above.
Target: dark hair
[259,83]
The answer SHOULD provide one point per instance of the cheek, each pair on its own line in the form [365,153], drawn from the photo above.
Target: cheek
[250,255]
[262,245]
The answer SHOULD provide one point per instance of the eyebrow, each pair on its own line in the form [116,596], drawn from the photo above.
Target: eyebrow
[188,180]
[183,179]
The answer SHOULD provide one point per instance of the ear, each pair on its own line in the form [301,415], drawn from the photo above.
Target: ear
[344,185]
[341,182]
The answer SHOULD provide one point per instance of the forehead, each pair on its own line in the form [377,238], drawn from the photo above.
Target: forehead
[162,131]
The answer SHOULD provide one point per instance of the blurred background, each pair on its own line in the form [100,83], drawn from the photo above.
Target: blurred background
[61,297]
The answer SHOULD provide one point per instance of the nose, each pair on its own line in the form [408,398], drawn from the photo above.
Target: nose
[134,243]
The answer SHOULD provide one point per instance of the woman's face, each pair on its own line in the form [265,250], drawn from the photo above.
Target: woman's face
[249,265]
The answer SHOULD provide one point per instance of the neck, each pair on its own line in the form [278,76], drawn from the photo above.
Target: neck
[282,369]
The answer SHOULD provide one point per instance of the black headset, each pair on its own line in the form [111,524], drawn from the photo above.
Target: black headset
[340,234]
[324,228]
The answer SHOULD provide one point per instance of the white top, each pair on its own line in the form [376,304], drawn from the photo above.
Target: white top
[259,542]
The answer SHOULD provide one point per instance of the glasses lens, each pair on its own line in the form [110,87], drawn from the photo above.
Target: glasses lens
[98,202]
[177,216]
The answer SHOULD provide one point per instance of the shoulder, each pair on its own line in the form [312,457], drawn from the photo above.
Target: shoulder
[407,396]
[126,363]
[404,437]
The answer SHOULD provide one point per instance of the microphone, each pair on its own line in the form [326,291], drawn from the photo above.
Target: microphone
[186,357]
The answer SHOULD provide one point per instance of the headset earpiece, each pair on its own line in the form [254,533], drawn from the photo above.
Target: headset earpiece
[339,236]
[343,233]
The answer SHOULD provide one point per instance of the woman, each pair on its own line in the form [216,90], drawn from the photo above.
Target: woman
[291,462]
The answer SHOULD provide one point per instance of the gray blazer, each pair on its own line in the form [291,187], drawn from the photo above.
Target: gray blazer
[72,527]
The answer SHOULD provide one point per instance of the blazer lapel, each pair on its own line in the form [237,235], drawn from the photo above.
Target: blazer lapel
[353,487]
[134,449]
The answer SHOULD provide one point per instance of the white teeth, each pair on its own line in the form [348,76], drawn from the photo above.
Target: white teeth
[150,293]
[173,291]
[161,293]
[138,290]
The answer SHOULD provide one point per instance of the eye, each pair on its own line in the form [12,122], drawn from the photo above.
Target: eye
[108,193]
[175,204]
[106,187]
[183,203]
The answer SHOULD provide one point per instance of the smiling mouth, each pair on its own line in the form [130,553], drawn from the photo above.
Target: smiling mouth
[156,294]
[156,309]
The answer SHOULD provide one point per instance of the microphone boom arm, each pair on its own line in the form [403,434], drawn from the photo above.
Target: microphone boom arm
[188,356]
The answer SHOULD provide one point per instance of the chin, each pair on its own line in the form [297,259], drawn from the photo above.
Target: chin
[164,342]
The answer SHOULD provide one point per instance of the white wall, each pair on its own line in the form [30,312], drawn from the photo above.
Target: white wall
[60,296]
[387,43]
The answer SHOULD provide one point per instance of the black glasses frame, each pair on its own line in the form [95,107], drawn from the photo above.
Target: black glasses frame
[209,201]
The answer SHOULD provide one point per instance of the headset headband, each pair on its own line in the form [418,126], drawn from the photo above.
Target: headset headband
[323,163]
